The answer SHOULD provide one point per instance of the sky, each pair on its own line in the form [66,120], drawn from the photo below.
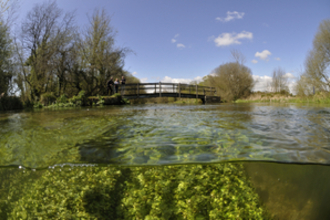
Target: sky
[184,40]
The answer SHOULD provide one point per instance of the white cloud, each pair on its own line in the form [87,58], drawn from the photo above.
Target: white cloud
[168,79]
[254,61]
[289,76]
[231,16]
[263,55]
[174,38]
[180,46]
[144,80]
[134,73]
[226,39]
[261,82]
[277,58]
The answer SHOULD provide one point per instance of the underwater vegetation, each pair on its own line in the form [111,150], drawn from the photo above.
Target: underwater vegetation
[218,191]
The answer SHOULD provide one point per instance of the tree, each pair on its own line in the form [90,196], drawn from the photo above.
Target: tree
[6,68]
[279,82]
[46,34]
[233,80]
[4,6]
[99,57]
[8,10]
[317,63]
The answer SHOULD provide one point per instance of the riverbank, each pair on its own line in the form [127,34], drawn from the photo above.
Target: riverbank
[82,100]
[320,98]
[14,103]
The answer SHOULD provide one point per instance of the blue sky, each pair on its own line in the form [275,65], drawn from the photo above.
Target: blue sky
[182,40]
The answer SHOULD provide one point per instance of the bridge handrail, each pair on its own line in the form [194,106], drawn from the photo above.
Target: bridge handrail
[160,88]
[169,84]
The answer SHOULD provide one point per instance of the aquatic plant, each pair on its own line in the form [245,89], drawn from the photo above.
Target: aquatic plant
[219,191]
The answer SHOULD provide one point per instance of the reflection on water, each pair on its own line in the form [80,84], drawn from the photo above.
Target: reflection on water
[166,134]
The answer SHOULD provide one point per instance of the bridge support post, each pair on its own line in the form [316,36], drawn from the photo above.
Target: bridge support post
[160,89]
[138,89]
[196,91]
[179,91]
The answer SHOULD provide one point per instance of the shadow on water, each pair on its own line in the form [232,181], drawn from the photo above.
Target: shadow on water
[295,192]
[94,200]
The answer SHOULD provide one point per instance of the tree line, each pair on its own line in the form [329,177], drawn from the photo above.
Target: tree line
[52,56]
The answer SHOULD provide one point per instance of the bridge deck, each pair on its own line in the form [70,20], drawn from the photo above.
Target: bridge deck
[149,90]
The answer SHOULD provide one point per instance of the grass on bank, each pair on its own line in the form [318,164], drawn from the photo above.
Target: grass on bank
[257,97]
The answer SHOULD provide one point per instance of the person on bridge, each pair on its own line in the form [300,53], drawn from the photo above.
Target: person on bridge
[123,81]
[109,86]
[116,85]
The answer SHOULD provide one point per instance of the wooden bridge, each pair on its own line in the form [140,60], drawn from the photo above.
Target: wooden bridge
[148,90]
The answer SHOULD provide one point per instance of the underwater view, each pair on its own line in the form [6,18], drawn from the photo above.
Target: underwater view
[166,161]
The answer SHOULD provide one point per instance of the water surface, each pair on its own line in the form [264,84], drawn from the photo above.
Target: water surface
[241,161]
[166,134]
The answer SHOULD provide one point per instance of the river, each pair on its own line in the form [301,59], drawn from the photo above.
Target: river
[278,154]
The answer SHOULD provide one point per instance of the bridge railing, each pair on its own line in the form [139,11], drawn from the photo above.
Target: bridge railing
[161,88]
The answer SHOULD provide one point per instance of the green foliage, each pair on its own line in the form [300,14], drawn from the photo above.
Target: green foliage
[232,80]
[100,100]
[6,67]
[11,187]
[116,95]
[219,191]
[126,101]
[79,99]
[62,99]
[316,75]
[285,97]
[38,105]
[47,98]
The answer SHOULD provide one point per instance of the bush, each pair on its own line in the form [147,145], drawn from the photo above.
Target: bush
[62,99]
[47,98]
[38,105]
[100,100]
[79,99]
